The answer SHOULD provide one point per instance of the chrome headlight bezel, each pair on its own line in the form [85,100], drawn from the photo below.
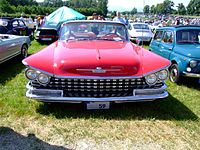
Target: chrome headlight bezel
[193,63]
[28,73]
[43,79]
[163,74]
[152,77]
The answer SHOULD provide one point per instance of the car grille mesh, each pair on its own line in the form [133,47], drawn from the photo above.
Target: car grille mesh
[96,87]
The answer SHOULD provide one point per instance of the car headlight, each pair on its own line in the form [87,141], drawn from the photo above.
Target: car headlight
[31,74]
[193,63]
[151,79]
[43,79]
[162,75]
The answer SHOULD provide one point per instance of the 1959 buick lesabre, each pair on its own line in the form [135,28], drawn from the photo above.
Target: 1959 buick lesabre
[95,62]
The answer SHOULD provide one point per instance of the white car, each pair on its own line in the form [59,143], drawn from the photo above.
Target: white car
[140,32]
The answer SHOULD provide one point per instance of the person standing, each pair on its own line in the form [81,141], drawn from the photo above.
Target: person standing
[118,18]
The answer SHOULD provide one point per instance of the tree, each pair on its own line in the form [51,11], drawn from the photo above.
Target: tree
[168,6]
[152,10]
[134,11]
[53,3]
[102,4]
[181,9]
[5,7]
[193,7]
[146,9]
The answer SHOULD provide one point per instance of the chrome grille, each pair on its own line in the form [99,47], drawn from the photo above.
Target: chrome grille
[96,87]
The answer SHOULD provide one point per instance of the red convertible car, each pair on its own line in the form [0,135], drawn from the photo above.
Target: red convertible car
[95,62]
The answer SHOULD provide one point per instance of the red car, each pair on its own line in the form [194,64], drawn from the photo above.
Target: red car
[95,62]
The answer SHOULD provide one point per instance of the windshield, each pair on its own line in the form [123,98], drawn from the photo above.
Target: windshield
[190,36]
[141,26]
[93,31]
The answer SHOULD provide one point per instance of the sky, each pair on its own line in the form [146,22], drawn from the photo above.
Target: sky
[123,5]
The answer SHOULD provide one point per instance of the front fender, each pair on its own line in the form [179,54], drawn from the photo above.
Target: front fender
[179,62]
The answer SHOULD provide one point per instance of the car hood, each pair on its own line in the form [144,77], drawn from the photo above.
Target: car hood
[189,50]
[95,58]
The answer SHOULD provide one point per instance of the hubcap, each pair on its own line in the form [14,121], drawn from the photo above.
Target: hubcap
[24,52]
[173,74]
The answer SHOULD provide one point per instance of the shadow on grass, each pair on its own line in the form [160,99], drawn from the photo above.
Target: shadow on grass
[11,140]
[10,69]
[190,82]
[164,109]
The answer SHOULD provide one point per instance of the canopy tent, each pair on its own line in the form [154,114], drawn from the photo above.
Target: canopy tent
[63,14]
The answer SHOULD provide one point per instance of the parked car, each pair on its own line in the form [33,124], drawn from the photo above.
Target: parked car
[15,26]
[12,45]
[48,33]
[181,45]
[140,32]
[95,62]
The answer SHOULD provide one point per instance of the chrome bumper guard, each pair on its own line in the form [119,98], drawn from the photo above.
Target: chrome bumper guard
[186,74]
[49,95]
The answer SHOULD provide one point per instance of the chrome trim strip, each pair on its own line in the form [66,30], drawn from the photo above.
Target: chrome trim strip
[186,74]
[10,57]
[134,98]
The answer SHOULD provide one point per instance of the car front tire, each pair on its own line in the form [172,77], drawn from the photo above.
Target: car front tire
[24,51]
[174,75]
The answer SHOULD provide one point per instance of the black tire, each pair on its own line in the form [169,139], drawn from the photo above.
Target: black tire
[24,51]
[174,75]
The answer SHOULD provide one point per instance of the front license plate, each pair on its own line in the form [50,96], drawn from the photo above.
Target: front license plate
[98,105]
[46,39]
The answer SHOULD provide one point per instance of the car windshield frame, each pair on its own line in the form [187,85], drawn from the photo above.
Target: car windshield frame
[188,36]
[102,31]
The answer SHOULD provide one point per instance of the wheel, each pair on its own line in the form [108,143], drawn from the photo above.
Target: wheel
[174,74]
[24,51]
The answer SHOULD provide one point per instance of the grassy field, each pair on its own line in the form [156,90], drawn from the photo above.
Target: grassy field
[172,123]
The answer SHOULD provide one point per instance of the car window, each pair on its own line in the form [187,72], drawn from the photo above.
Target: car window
[15,23]
[21,23]
[141,26]
[168,37]
[190,36]
[158,35]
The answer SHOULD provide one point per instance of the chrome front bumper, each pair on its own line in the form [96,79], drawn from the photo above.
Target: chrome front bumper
[186,74]
[49,95]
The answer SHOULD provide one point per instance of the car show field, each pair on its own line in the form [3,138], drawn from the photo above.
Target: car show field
[170,123]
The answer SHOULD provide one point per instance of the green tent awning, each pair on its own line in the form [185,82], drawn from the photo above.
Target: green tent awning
[64,14]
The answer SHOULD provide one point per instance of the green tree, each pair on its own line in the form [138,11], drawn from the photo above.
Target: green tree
[134,11]
[5,7]
[146,9]
[193,7]
[152,10]
[181,9]
[102,4]
[168,6]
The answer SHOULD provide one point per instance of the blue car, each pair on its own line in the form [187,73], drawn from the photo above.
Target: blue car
[181,45]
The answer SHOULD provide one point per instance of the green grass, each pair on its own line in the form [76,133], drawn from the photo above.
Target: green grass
[172,123]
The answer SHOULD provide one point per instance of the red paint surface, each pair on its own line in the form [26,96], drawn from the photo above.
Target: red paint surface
[64,58]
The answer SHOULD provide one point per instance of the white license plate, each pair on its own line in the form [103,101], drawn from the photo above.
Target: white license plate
[46,39]
[98,105]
